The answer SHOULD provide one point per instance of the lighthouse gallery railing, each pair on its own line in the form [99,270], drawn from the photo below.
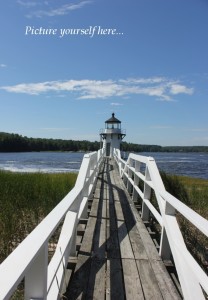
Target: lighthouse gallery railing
[191,275]
[29,261]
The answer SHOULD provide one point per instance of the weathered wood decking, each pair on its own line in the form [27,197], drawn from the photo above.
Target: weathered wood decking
[117,258]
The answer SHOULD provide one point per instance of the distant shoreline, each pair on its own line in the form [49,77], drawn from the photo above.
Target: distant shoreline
[10,142]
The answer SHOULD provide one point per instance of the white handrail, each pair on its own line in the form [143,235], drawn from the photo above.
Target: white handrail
[191,275]
[30,259]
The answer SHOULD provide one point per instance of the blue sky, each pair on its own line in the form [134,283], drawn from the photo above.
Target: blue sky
[150,68]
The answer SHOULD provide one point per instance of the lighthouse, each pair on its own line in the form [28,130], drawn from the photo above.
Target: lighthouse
[112,135]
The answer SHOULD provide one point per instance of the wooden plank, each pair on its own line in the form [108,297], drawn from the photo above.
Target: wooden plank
[96,284]
[67,276]
[116,197]
[132,282]
[81,229]
[125,245]
[94,208]
[119,212]
[72,261]
[148,280]
[97,193]
[112,243]
[114,280]
[124,242]
[86,246]
[165,283]
[99,240]
[148,243]
[110,192]
[99,183]
[137,244]
[111,216]
[77,288]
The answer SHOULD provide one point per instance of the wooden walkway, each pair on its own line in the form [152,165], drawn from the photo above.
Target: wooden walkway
[117,258]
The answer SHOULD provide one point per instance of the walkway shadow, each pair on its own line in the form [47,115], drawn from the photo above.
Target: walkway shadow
[103,259]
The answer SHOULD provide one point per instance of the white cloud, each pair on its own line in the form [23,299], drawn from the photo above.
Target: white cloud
[150,80]
[27,3]
[161,89]
[3,66]
[58,11]
[116,104]
[176,88]
[31,88]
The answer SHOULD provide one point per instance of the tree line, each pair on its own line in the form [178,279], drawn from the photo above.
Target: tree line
[10,142]
[156,148]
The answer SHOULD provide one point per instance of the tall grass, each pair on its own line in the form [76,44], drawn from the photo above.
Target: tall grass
[25,199]
[194,193]
[197,190]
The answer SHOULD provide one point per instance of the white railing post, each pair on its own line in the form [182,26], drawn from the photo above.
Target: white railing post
[84,204]
[72,251]
[147,194]
[165,250]
[126,167]
[36,276]
[59,261]
[136,181]
[130,174]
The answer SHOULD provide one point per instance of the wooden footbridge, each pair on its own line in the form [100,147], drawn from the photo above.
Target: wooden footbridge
[117,258]
[106,242]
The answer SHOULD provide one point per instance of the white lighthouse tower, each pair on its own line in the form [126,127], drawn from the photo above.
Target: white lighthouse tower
[112,135]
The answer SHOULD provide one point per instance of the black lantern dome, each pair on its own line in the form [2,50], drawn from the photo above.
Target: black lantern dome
[113,119]
[113,123]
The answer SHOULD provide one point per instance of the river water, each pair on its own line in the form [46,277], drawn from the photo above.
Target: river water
[188,164]
[46,162]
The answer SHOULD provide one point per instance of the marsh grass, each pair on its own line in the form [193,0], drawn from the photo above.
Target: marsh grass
[194,193]
[197,243]
[25,199]
[197,190]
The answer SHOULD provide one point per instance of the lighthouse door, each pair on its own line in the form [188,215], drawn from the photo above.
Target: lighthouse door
[108,149]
